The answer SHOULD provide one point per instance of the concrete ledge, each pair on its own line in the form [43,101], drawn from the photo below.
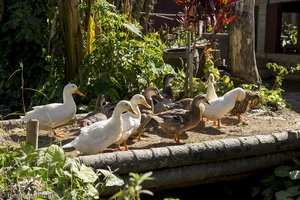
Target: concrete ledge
[209,172]
[209,161]
[189,154]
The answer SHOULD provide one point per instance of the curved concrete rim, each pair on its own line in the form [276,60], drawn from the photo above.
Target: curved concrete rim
[208,161]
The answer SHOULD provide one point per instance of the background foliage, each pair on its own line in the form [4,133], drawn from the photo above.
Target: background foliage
[124,61]
[25,30]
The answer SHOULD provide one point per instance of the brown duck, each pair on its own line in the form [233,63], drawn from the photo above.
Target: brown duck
[250,101]
[177,121]
[98,114]
[166,95]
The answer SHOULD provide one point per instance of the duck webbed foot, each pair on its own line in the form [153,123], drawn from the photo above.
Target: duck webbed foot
[219,123]
[119,147]
[176,138]
[59,134]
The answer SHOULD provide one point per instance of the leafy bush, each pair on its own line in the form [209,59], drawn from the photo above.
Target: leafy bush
[24,33]
[282,184]
[123,61]
[47,173]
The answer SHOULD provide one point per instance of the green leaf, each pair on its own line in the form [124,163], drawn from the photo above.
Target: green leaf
[287,194]
[295,174]
[132,191]
[293,190]
[147,192]
[283,195]
[146,176]
[118,195]
[86,174]
[111,179]
[135,176]
[133,29]
[282,171]
[55,154]
[115,82]
[92,191]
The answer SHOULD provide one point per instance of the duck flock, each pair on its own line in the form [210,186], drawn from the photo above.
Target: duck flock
[115,123]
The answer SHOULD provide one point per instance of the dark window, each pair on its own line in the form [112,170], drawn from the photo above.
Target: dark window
[282,28]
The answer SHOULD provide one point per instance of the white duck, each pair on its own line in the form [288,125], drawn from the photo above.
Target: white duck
[211,92]
[100,135]
[53,115]
[223,105]
[131,122]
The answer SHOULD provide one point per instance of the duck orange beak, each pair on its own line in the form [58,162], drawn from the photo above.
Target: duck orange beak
[132,111]
[146,105]
[80,93]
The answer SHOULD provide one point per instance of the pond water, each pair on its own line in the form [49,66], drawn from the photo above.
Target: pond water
[238,189]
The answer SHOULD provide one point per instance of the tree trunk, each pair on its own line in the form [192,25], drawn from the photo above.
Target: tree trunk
[242,41]
[73,39]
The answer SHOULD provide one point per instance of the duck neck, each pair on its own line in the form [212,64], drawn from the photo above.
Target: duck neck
[195,110]
[211,88]
[68,100]
[149,100]
[168,90]
[99,103]
[135,108]
[116,118]
[152,104]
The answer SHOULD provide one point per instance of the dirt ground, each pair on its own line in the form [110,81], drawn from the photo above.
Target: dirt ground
[256,121]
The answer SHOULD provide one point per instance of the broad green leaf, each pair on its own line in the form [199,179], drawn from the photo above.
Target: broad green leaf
[92,191]
[55,154]
[294,190]
[133,29]
[283,195]
[287,194]
[282,171]
[86,174]
[295,174]
[111,179]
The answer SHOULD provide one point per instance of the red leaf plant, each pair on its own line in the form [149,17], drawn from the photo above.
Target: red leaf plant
[215,13]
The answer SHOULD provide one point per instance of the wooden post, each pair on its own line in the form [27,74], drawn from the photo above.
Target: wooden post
[190,57]
[32,133]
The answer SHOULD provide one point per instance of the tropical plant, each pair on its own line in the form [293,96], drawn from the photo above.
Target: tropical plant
[215,13]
